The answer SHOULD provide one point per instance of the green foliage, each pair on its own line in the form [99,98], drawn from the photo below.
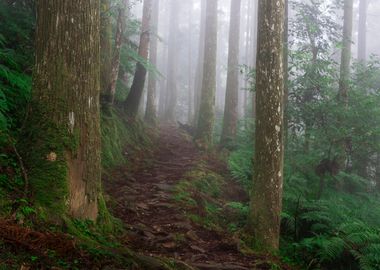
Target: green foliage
[16,54]
[340,230]
[121,138]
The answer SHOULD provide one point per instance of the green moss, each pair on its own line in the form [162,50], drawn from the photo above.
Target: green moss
[121,138]
[44,148]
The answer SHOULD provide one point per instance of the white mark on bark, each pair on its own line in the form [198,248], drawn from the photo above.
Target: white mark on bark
[71,121]
[89,102]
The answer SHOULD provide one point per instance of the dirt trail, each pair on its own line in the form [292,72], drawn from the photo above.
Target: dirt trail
[156,223]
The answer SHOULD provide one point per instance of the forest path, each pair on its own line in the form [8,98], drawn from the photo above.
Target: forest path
[157,225]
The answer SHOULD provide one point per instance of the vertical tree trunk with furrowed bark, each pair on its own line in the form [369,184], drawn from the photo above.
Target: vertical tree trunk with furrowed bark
[230,109]
[362,31]
[105,51]
[346,52]
[120,29]
[151,104]
[190,63]
[266,196]
[199,70]
[134,97]
[63,136]
[345,71]
[171,86]
[254,51]
[206,111]
[286,66]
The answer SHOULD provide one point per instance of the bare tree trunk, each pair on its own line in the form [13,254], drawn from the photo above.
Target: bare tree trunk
[134,98]
[63,133]
[120,29]
[207,112]
[345,71]
[254,51]
[286,66]
[362,31]
[232,91]
[346,52]
[199,70]
[190,82]
[266,199]
[105,51]
[151,104]
[172,63]
[248,41]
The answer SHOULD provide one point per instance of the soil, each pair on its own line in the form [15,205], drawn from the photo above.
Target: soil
[156,223]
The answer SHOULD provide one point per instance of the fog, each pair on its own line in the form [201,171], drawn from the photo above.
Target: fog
[187,49]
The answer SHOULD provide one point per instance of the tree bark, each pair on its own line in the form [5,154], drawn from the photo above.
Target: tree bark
[63,133]
[254,51]
[105,51]
[206,112]
[286,75]
[190,82]
[362,31]
[346,52]
[266,198]
[151,104]
[134,97]
[199,70]
[171,86]
[345,72]
[120,29]
[232,91]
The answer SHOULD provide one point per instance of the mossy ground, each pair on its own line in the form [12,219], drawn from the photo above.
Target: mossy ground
[98,240]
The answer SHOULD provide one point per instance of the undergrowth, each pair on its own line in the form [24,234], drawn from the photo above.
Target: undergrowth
[339,231]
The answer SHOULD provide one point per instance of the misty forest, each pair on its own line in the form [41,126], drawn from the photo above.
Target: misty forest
[190,134]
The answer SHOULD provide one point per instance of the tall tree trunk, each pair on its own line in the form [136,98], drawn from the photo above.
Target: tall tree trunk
[63,133]
[206,111]
[286,66]
[105,51]
[190,82]
[134,97]
[163,90]
[200,63]
[266,199]
[207,103]
[172,63]
[120,29]
[362,31]
[232,91]
[248,41]
[345,72]
[254,50]
[151,104]
[346,52]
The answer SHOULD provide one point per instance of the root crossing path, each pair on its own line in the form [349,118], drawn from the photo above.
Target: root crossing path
[157,224]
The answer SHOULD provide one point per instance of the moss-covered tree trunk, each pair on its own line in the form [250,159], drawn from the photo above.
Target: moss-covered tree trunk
[206,112]
[172,72]
[266,196]
[232,91]
[133,100]
[62,141]
[151,103]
